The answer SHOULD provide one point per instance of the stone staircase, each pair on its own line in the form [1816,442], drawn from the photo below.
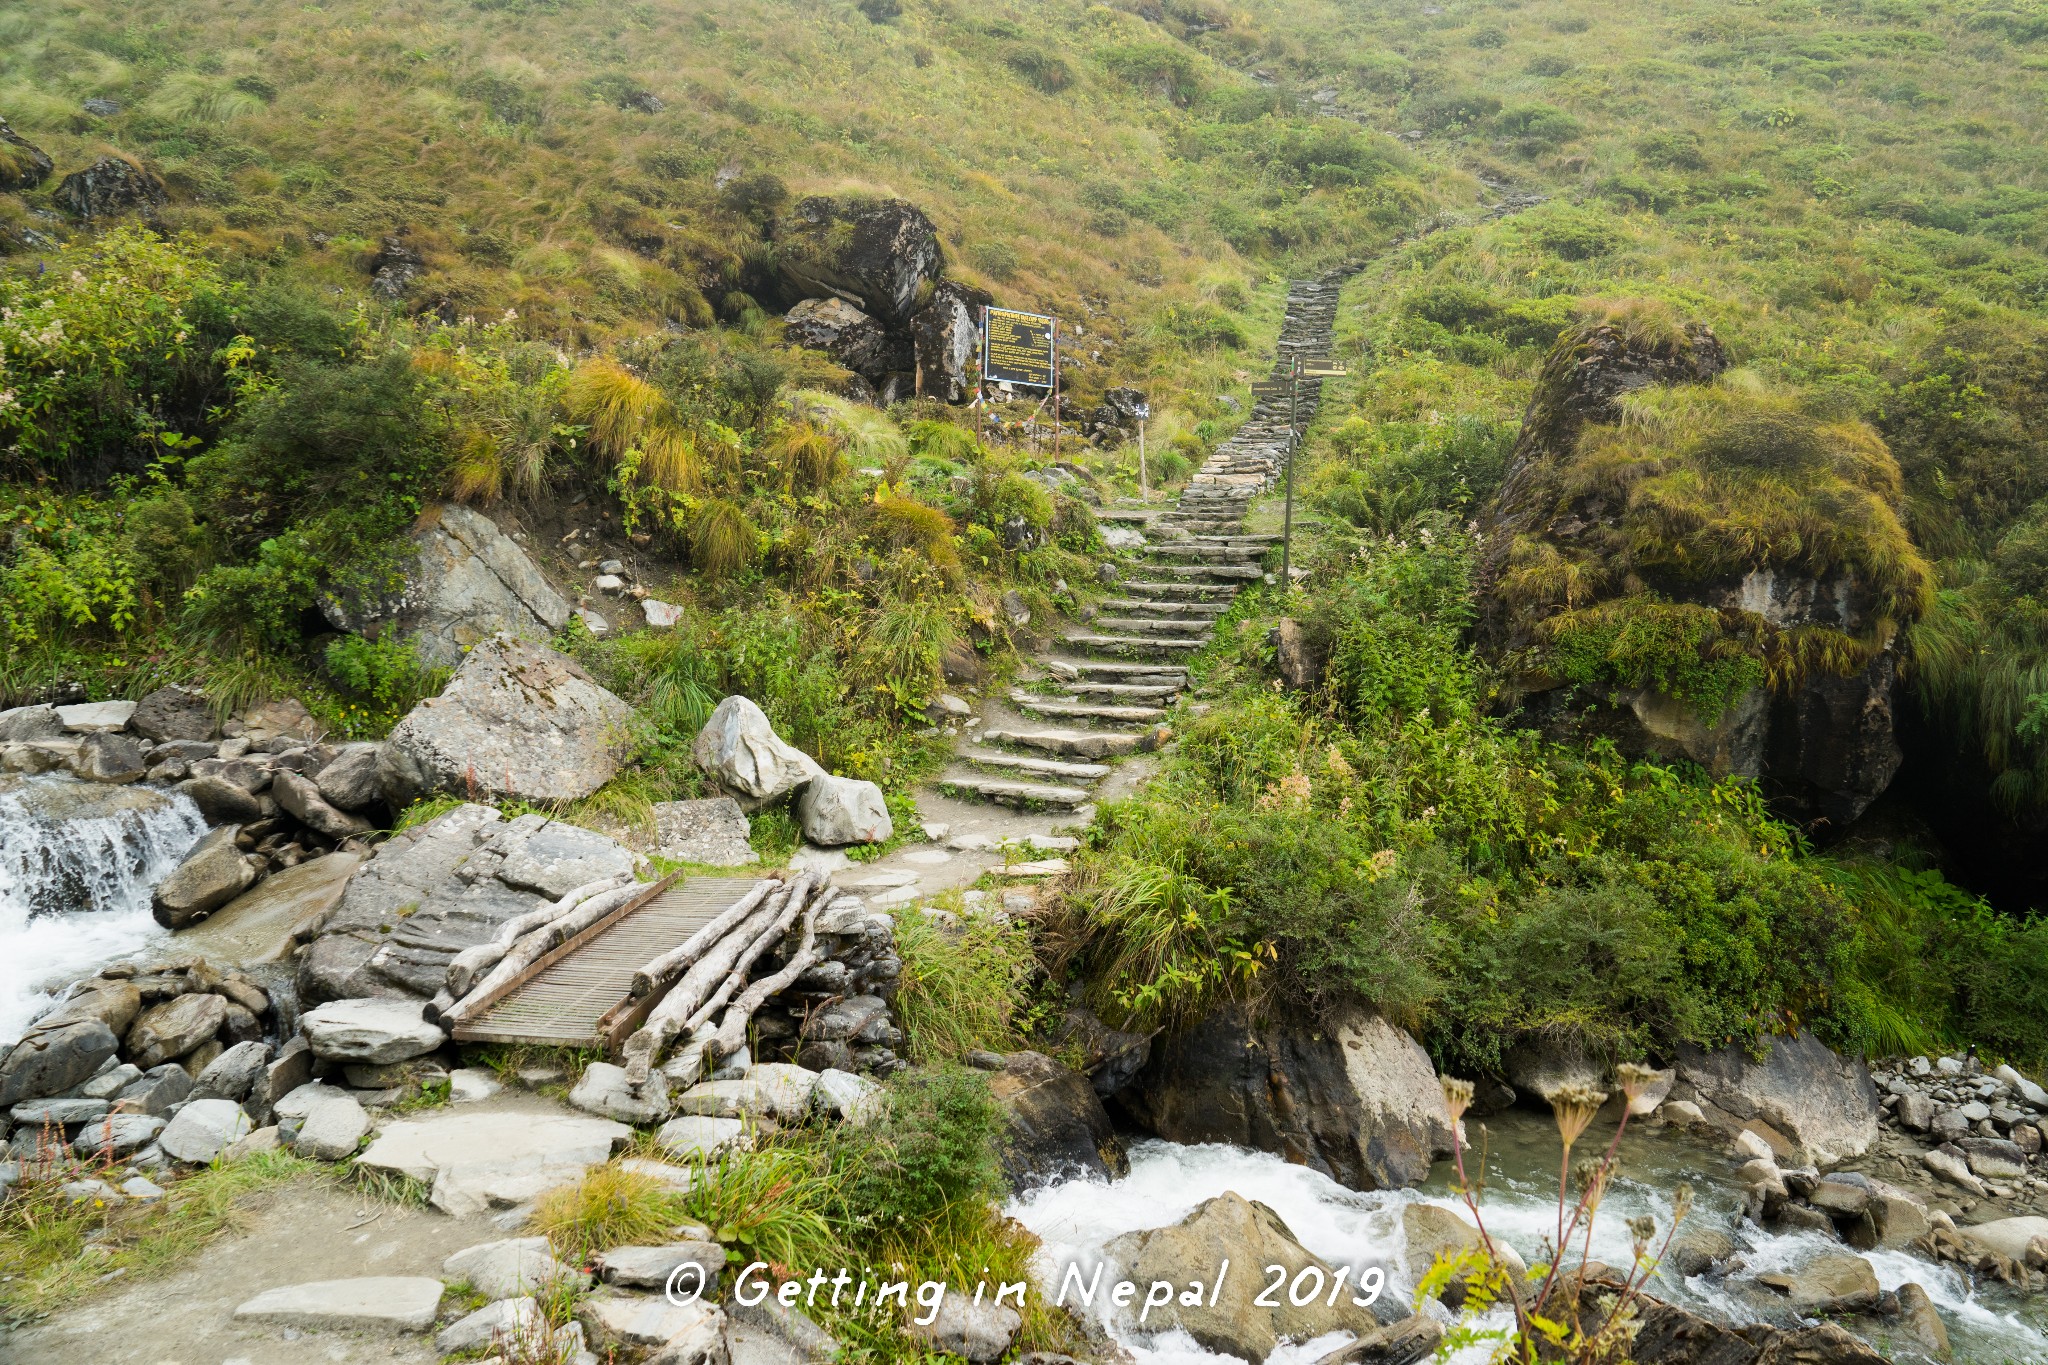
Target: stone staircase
[1105,688]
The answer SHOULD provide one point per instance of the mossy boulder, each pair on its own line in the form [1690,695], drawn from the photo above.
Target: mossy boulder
[882,255]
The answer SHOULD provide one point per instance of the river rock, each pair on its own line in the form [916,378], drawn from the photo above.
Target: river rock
[604,1089]
[160,1089]
[332,1129]
[1358,1101]
[222,801]
[712,831]
[388,1303]
[843,810]
[1920,1323]
[117,1136]
[350,782]
[476,1161]
[511,1323]
[1250,1236]
[852,338]
[1055,1123]
[233,1074]
[200,1129]
[506,1269]
[739,750]
[878,254]
[300,796]
[1698,1248]
[109,757]
[109,187]
[66,1111]
[1431,1231]
[2007,1236]
[961,1327]
[174,713]
[1542,1065]
[212,874]
[1832,1282]
[174,1028]
[1994,1158]
[1825,1105]
[1949,1165]
[370,1030]
[113,1002]
[1668,1335]
[268,920]
[93,717]
[518,721]
[637,1267]
[110,1081]
[30,722]
[557,858]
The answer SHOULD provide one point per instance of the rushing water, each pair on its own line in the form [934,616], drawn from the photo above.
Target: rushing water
[77,863]
[1076,1219]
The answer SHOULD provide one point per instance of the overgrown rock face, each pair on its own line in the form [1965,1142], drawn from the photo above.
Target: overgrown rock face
[850,337]
[109,188]
[1694,567]
[880,255]
[23,165]
[946,334]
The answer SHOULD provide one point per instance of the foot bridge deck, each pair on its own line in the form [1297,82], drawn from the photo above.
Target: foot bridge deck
[580,995]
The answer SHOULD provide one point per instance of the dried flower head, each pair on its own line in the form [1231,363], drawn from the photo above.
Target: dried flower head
[1574,1107]
[1592,1174]
[1681,1201]
[1641,1230]
[1339,768]
[1634,1078]
[1457,1096]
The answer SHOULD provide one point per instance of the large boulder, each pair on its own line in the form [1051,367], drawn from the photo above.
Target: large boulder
[212,874]
[23,165]
[877,254]
[517,721]
[110,187]
[1823,1104]
[51,1060]
[468,582]
[1251,1237]
[30,722]
[843,810]
[350,781]
[849,336]
[1056,1123]
[1358,1101]
[370,1031]
[946,335]
[739,750]
[267,921]
[172,713]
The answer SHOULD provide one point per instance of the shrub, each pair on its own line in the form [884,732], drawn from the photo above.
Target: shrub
[931,1159]
[961,987]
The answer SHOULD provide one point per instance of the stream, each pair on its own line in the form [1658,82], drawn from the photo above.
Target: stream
[1076,1219]
[77,862]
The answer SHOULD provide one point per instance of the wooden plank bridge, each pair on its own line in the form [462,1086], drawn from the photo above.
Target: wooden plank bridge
[580,994]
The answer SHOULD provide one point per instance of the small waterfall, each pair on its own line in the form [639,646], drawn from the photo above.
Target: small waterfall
[77,863]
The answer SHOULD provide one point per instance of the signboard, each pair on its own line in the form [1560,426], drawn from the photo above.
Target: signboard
[1017,348]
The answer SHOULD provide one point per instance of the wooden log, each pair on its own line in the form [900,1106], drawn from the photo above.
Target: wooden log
[705,975]
[473,961]
[732,1030]
[537,944]
[670,964]
[737,977]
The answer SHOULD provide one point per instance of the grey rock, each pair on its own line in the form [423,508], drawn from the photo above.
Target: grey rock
[698,1135]
[558,857]
[973,1331]
[511,1267]
[379,1303]
[222,802]
[61,1111]
[109,757]
[1541,1066]
[739,750]
[110,1082]
[110,187]
[766,1333]
[142,1190]
[1920,1323]
[645,1320]
[852,338]
[1832,1282]
[174,1028]
[332,1129]
[518,721]
[174,713]
[160,1089]
[350,782]
[370,1030]
[843,810]
[25,165]
[117,1135]
[654,1267]
[300,796]
[233,1075]
[1055,1123]
[93,717]
[712,831]
[516,1324]
[476,1160]
[880,254]
[1953,1169]
[946,338]
[469,581]
[113,1002]
[1994,1159]
[1915,1112]
[30,722]
[847,1097]
[202,1128]
[604,1089]
[1825,1104]
[211,875]
[1698,1249]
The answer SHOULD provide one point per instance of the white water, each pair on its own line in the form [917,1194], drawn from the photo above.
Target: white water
[77,865]
[1076,1220]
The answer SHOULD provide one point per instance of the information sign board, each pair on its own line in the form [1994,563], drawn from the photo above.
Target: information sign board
[1017,348]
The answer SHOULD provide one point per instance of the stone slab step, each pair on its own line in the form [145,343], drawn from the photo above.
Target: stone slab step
[1159,606]
[1035,767]
[1009,792]
[1071,669]
[1213,573]
[1081,743]
[1125,692]
[1208,550]
[1138,625]
[1187,592]
[1066,710]
[1132,644]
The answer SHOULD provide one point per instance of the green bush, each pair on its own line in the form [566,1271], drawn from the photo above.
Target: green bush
[930,1158]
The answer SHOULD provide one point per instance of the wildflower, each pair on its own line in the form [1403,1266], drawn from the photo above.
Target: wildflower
[1681,1201]
[1574,1107]
[1339,769]
[1634,1078]
[1457,1096]
[1641,1231]
[1593,1174]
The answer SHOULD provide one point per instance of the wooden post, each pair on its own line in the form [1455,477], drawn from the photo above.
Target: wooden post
[1144,483]
[1287,529]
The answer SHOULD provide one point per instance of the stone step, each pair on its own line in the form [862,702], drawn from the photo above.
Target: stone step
[1082,743]
[1066,710]
[1214,573]
[1159,606]
[1156,674]
[1161,693]
[1010,792]
[1132,644]
[1138,625]
[1202,550]
[1186,592]
[1035,767]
